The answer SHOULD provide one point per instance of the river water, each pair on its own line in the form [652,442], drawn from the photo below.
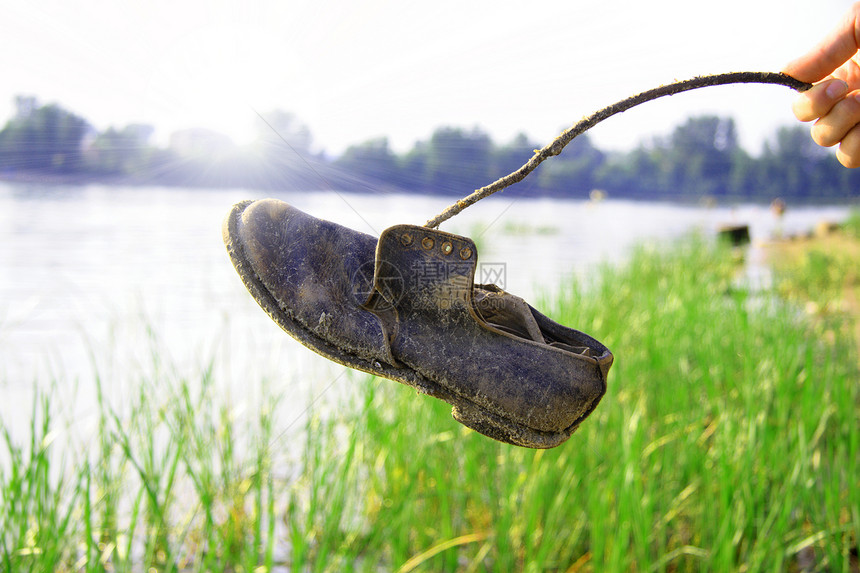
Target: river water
[131,283]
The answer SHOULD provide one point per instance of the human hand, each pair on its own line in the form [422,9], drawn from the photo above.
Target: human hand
[834,101]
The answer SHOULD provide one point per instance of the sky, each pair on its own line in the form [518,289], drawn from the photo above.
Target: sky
[357,70]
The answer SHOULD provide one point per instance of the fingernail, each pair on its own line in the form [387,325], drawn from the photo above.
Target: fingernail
[836,89]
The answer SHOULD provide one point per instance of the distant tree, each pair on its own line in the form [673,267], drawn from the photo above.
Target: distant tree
[283,158]
[372,159]
[742,175]
[638,173]
[848,180]
[413,167]
[280,129]
[699,156]
[792,165]
[123,151]
[575,170]
[508,158]
[458,161]
[42,138]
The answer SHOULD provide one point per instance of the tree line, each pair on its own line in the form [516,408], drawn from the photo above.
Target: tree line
[700,158]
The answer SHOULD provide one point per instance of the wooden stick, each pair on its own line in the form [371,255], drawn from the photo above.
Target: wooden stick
[587,123]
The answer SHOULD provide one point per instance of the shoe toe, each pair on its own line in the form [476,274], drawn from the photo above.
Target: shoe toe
[314,272]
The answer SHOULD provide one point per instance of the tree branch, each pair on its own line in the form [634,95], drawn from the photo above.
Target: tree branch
[587,123]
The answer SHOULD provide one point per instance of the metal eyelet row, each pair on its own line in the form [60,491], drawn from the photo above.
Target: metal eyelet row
[406,239]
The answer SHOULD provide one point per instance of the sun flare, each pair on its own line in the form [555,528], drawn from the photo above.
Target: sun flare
[219,79]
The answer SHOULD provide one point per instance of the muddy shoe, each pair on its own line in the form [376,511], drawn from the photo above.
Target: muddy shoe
[405,307]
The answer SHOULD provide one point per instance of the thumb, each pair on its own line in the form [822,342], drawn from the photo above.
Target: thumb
[834,50]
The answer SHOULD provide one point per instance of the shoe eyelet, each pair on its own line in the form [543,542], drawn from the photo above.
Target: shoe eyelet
[406,239]
[465,253]
[447,247]
[427,243]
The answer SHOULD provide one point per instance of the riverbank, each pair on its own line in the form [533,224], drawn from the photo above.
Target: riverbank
[331,179]
[821,270]
[727,441]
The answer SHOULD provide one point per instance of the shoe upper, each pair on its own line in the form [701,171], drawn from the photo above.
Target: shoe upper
[524,366]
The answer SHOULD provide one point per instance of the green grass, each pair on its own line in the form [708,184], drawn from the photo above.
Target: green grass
[728,440]
[851,225]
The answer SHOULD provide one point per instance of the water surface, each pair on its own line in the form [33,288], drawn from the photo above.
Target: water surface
[132,283]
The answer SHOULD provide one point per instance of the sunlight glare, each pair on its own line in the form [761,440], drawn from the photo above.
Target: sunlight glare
[215,78]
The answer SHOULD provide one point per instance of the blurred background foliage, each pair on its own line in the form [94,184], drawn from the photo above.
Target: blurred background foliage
[699,159]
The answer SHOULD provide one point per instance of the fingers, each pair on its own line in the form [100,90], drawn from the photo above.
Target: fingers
[849,151]
[842,43]
[819,100]
[832,101]
[835,125]
[838,115]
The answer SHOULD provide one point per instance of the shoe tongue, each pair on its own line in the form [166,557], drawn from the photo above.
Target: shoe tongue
[507,312]
[418,268]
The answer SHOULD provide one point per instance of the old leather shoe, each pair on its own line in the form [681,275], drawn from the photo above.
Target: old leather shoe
[405,307]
